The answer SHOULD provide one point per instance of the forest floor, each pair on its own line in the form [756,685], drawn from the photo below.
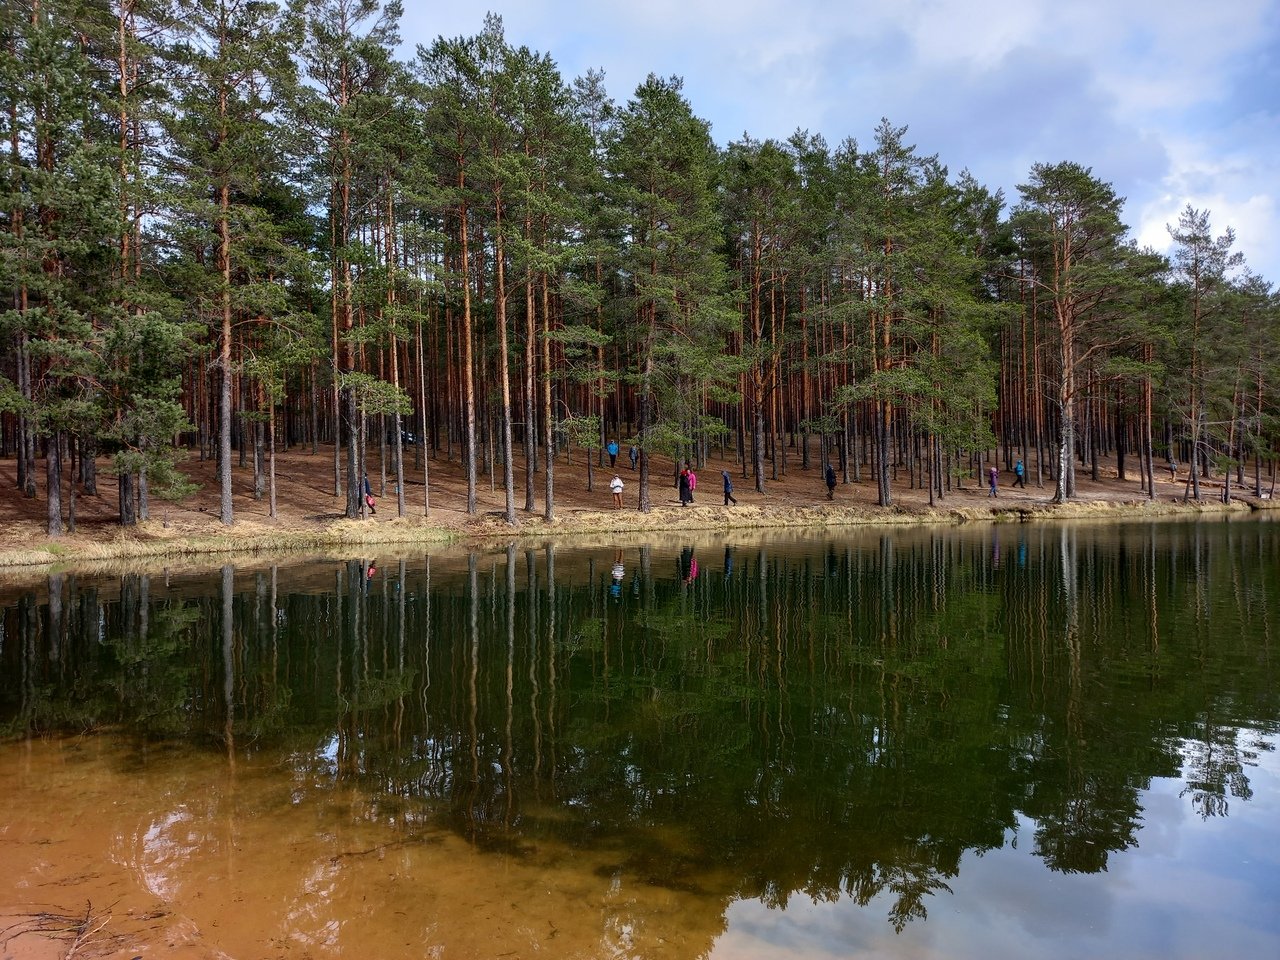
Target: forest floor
[309,515]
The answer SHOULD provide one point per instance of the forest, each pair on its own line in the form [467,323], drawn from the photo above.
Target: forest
[231,227]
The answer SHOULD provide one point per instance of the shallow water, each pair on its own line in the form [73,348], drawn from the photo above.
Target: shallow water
[1054,741]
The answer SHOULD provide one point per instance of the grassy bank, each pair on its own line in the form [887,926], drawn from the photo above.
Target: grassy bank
[154,542]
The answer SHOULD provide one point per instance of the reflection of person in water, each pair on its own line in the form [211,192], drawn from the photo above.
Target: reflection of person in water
[728,563]
[688,565]
[619,572]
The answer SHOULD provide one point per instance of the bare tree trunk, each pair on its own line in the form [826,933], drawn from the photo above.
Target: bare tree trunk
[53,483]
[530,454]
[468,373]
[549,447]
[271,457]
[426,459]
[398,424]
[27,441]
[504,374]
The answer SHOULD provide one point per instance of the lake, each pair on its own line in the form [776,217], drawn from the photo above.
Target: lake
[1050,740]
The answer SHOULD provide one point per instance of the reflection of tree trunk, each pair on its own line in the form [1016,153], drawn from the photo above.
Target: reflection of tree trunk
[762,620]
[535,718]
[511,661]
[27,635]
[426,643]
[1153,609]
[400,651]
[144,607]
[228,664]
[1200,582]
[56,622]
[551,661]
[646,575]
[275,626]
[888,598]
[473,667]
[349,630]
[1071,629]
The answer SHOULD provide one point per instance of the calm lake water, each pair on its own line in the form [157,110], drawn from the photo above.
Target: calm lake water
[1034,740]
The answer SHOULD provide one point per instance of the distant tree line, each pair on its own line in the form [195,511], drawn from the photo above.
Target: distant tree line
[236,226]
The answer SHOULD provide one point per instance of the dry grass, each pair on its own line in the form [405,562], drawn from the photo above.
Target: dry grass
[309,516]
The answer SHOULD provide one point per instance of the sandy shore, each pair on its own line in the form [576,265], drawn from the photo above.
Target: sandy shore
[308,515]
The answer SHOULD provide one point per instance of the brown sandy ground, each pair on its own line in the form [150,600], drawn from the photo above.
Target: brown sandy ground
[309,515]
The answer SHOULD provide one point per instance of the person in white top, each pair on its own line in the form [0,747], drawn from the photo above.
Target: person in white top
[616,486]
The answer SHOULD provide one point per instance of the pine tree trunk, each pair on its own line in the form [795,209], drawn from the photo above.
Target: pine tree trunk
[423,439]
[53,484]
[27,451]
[549,447]
[504,374]
[259,448]
[530,453]
[468,373]
[271,460]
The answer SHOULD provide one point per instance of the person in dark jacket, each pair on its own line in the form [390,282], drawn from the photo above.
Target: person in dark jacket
[728,489]
[830,475]
[686,485]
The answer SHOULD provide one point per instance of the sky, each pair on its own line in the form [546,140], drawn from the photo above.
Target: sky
[1172,102]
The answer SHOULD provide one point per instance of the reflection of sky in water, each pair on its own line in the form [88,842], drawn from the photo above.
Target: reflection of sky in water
[166,841]
[1193,887]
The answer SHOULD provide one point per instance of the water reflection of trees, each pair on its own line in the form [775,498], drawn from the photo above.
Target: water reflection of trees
[847,721]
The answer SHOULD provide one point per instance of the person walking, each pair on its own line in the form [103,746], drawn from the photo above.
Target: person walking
[368,497]
[634,454]
[612,450]
[728,488]
[830,476]
[993,476]
[1019,474]
[686,485]
[615,486]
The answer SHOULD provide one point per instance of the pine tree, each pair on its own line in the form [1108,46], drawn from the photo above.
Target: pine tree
[60,192]
[665,165]
[761,211]
[144,341]
[1069,223]
[450,71]
[347,57]
[1202,264]
[225,145]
